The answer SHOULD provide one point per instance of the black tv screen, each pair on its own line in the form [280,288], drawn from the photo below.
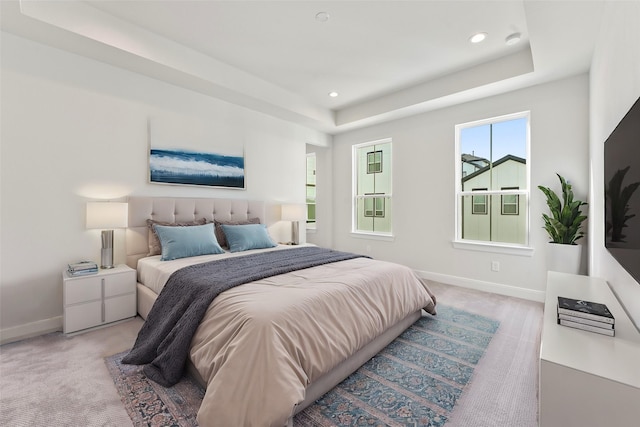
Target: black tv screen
[622,192]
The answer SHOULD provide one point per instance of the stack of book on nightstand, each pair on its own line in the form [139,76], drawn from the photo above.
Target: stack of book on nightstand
[586,315]
[82,268]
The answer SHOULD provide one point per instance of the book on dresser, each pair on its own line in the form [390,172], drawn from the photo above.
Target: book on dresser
[82,268]
[585,315]
[585,309]
[596,323]
[578,325]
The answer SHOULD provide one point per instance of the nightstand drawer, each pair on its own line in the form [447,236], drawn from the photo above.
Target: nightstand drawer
[119,284]
[120,307]
[82,316]
[82,290]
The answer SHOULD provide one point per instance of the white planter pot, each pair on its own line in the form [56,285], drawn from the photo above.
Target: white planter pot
[564,258]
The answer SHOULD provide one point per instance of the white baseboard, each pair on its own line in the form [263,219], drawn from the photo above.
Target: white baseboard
[496,288]
[28,330]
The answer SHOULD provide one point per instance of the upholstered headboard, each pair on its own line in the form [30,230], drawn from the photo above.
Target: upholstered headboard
[177,209]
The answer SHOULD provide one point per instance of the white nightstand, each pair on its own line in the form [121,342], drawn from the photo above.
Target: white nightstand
[98,299]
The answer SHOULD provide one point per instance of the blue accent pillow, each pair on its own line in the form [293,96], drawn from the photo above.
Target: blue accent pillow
[249,236]
[182,242]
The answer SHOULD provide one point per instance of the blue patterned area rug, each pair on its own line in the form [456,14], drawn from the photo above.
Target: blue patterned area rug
[415,381]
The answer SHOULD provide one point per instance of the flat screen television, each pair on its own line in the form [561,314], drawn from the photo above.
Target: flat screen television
[622,192]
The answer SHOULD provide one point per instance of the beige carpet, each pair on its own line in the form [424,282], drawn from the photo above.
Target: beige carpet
[504,389]
[56,380]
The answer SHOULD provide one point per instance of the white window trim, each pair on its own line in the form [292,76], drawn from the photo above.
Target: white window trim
[498,247]
[374,235]
[387,237]
[494,247]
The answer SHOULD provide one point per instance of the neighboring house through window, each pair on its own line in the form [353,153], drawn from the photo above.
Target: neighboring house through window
[492,189]
[372,188]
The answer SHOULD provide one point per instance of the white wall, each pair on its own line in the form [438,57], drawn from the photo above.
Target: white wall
[423,185]
[75,129]
[615,86]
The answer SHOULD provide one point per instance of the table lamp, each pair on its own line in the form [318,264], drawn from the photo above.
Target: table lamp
[108,215]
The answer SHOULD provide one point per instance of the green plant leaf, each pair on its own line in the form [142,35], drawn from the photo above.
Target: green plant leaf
[563,226]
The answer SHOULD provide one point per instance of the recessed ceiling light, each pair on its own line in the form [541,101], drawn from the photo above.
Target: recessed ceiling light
[333,94]
[322,16]
[478,37]
[512,39]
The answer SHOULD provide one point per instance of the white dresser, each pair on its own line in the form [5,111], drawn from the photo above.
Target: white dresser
[588,379]
[98,299]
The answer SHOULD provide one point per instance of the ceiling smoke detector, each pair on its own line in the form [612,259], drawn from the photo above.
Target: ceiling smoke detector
[322,16]
[512,39]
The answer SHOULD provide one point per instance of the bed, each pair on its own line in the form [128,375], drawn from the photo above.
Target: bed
[267,349]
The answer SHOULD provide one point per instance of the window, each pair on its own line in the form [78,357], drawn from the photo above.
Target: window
[311,190]
[372,188]
[374,207]
[510,202]
[492,160]
[374,162]
[479,203]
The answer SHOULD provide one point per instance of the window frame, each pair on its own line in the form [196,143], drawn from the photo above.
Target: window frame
[384,235]
[492,246]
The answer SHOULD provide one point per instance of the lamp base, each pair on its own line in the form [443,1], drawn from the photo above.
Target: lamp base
[295,233]
[106,254]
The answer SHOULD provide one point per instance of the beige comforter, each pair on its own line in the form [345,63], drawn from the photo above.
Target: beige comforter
[261,344]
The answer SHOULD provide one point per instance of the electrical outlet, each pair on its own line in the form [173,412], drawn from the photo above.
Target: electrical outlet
[495,266]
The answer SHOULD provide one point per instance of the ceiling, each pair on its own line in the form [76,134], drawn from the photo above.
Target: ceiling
[386,59]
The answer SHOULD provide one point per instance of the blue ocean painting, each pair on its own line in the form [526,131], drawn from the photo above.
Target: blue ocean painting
[195,168]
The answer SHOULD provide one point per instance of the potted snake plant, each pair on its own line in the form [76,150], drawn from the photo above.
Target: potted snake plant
[564,226]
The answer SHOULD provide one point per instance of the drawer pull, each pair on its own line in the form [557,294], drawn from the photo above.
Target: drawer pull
[103,317]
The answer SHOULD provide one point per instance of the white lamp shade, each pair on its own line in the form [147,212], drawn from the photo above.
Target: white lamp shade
[297,212]
[107,215]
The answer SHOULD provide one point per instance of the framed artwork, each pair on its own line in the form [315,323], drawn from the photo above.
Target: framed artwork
[185,151]
[180,166]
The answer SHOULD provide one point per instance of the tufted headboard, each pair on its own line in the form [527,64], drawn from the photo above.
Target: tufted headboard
[177,209]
